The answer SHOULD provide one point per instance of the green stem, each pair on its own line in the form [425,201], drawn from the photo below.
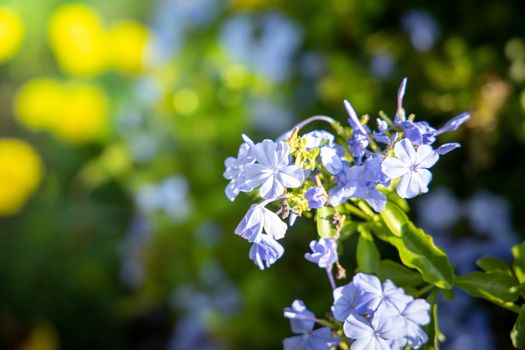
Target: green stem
[424,290]
[353,210]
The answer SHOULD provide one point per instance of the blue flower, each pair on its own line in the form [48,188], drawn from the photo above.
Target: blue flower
[361,182]
[235,170]
[318,339]
[266,251]
[302,323]
[381,297]
[273,171]
[347,300]
[316,138]
[376,333]
[411,166]
[257,218]
[416,314]
[324,252]
[301,319]
[420,133]
[316,197]
[380,315]
[332,158]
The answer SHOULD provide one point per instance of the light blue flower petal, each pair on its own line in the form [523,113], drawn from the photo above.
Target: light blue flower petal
[271,188]
[426,157]
[394,167]
[404,150]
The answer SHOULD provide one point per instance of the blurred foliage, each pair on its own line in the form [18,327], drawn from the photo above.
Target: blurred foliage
[116,117]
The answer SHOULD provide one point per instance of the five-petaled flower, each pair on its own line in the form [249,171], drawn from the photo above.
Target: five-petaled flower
[411,165]
[273,171]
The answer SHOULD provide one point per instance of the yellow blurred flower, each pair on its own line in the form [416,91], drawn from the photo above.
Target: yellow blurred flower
[74,112]
[20,174]
[84,113]
[11,33]
[37,103]
[78,40]
[129,41]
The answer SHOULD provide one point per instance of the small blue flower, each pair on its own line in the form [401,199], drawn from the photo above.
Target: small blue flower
[302,323]
[257,218]
[251,225]
[324,252]
[235,170]
[318,339]
[361,182]
[317,138]
[316,197]
[273,171]
[382,297]
[266,251]
[416,314]
[301,319]
[348,300]
[332,158]
[377,333]
[420,133]
[411,166]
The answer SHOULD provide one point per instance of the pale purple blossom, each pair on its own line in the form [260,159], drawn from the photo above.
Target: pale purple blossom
[273,171]
[317,138]
[257,218]
[376,333]
[235,170]
[316,197]
[302,323]
[361,182]
[266,251]
[411,166]
[332,158]
[324,252]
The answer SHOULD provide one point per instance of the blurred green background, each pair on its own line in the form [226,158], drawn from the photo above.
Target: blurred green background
[116,117]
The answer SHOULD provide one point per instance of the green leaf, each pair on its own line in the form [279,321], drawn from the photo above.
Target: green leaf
[518,331]
[489,264]
[325,226]
[518,251]
[394,218]
[496,286]
[367,253]
[432,328]
[399,274]
[418,251]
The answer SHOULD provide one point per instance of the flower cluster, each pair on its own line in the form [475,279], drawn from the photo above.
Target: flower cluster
[379,315]
[321,169]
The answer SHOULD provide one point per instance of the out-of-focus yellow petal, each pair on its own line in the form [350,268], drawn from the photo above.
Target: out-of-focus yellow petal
[78,40]
[37,103]
[129,42]
[12,32]
[20,174]
[84,113]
